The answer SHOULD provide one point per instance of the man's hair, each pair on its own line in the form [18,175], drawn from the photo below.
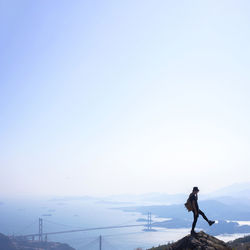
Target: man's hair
[195,189]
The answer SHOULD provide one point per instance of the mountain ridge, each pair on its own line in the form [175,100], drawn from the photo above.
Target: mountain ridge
[201,241]
[9,243]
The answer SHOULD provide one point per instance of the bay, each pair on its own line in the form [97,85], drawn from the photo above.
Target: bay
[20,217]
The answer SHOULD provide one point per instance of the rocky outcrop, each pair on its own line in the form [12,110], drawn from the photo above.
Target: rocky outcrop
[7,243]
[241,243]
[201,241]
[35,245]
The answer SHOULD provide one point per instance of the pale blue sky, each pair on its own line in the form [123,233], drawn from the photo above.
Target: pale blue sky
[109,97]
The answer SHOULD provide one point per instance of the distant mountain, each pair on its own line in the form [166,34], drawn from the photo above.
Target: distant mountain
[239,201]
[237,193]
[236,190]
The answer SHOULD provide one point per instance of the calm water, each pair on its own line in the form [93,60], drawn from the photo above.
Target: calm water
[21,217]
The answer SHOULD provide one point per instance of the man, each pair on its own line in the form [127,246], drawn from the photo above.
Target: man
[193,197]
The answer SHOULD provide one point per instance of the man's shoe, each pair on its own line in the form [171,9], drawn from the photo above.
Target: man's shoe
[193,233]
[211,222]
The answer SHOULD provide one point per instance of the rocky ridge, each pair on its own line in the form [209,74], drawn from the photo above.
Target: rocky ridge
[201,241]
[7,243]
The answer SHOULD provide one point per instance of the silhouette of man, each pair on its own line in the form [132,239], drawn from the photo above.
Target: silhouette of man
[193,197]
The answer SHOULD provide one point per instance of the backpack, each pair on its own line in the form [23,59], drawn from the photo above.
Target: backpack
[188,205]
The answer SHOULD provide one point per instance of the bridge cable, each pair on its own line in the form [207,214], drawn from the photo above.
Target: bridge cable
[93,243]
[58,224]
[108,244]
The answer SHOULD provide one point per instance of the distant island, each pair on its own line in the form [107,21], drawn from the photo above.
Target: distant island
[221,227]
[226,217]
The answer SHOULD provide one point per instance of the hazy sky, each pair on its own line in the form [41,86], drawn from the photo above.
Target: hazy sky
[111,97]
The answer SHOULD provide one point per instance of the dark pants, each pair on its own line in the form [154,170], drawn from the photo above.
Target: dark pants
[196,218]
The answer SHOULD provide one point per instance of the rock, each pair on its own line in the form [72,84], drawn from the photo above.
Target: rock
[201,241]
[29,245]
[241,243]
[11,243]
[6,243]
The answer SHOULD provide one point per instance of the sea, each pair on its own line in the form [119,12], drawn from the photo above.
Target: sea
[21,217]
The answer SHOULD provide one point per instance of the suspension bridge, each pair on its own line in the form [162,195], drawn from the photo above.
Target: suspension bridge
[42,236]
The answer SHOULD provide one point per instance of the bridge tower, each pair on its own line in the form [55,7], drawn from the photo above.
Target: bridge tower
[40,229]
[149,225]
[100,242]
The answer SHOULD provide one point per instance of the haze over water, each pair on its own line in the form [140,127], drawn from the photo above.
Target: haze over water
[20,218]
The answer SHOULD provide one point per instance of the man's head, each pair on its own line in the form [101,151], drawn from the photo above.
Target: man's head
[195,190]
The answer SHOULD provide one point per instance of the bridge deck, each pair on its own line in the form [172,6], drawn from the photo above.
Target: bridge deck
[82,230]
